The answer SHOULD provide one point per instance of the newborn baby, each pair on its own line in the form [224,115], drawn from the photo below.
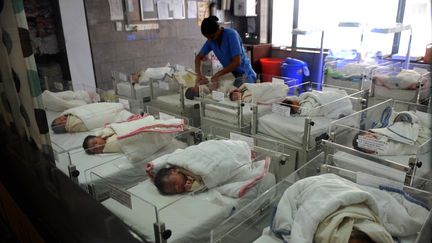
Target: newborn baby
[176,180]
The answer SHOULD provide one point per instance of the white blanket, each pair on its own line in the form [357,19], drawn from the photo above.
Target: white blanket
[153,73]
[61,101]
[141,137]
[405,79]
[264,93]
[331,104]
[97,115]
[224,165]
[309,201]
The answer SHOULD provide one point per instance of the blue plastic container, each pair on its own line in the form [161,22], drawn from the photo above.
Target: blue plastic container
[294,68]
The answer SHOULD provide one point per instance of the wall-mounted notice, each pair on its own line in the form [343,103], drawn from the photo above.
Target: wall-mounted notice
[147,5]
[163,9]
[192,9]
[149,11]
[178,9]
[116,9]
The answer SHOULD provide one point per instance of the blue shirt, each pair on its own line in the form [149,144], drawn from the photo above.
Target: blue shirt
[230,46]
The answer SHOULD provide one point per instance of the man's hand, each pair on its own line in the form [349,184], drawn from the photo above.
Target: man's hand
[200,79]
[214,85]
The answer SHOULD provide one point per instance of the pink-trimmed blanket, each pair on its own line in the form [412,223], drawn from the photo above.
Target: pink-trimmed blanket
[141,137]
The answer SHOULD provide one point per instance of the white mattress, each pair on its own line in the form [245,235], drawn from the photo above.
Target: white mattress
[174,100]
[141,91]
[84,162]
[106,165]
[291,128]
[190,219]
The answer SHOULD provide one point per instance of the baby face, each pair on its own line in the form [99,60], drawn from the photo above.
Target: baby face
[60,121]
[236,95]
[96,145]
[175,183]
[369,135]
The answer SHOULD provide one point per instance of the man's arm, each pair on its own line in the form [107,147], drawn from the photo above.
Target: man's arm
[235,62]
[200,79]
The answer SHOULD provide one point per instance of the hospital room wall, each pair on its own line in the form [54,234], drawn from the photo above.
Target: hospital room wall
[175,41]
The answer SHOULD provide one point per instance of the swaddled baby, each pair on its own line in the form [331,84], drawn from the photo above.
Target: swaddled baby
[223,165]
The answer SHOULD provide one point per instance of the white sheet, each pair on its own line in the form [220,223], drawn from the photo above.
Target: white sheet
[83,162]
[291,128]
[174,100]
[190,218]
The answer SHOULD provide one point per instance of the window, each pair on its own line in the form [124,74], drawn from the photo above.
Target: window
[418,14]
[327,15]
[282,22]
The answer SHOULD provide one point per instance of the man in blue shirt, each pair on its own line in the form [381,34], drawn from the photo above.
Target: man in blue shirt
[228,48]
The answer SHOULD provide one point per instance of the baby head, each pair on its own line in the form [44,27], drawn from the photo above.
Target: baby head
[135,78]
[293,103]
[364,134]
[170,181]
[235,95]
[404,117]
[58,125]
[94,144]
[192,92]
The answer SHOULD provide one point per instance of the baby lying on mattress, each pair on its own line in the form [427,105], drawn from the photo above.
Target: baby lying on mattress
[87,117]
[138,138]
[143,77]
[405,79]
[330,209]
[223,165]
[332,104]
[225,84]
[260,93]
[403,137]
[60,101]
